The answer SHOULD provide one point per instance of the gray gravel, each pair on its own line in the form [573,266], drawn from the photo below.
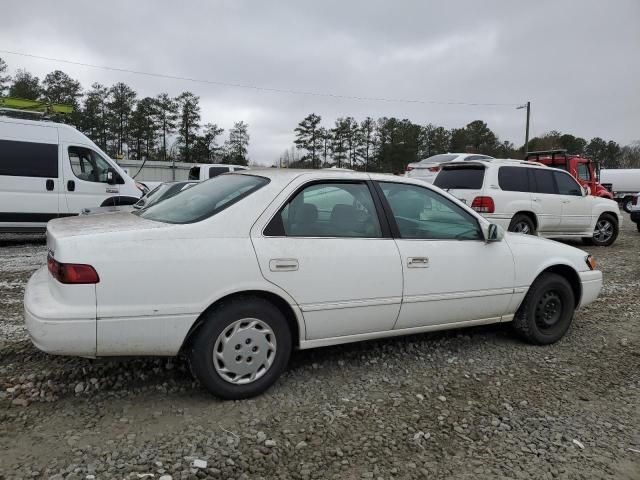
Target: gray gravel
[474,403]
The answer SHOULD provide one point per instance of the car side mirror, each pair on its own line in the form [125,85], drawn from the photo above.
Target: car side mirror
[586,191]
[494,233]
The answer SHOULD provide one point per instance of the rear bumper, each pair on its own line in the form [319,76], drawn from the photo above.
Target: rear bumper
[591,282]
[49,332]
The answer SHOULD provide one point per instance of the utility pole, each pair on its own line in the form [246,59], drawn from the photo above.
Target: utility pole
[526,136]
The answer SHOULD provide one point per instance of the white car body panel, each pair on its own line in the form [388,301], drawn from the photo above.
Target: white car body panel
[423,170]
[156,279]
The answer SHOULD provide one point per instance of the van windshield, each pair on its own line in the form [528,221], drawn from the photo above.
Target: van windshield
[460,178]
[204,199]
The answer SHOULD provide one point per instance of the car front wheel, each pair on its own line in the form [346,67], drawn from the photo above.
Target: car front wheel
[241,348]
[605,231]
[546,311]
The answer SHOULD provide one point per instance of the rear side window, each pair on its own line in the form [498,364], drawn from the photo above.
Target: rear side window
[567,185]
[194,173]
[513,179]
[544,180]
[27,159]
[215,171]
[204,199]
[464,178]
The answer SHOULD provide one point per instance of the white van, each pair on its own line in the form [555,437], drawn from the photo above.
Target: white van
[50,170]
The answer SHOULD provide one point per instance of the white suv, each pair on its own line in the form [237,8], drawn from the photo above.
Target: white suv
[528,197]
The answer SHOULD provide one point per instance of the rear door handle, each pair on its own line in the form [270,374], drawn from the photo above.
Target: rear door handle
[71,185]
[283,264]
[565,201]
[535,199]
[418,262]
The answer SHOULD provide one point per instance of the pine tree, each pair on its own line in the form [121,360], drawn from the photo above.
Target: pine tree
[144,129]
[4,77]
[189,123]
[58,87]
[366,139]
[94,118]
[25,85]
[121,105]
[308,138]
[236,147]
[166,116]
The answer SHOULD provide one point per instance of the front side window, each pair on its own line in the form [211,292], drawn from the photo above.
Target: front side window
[88,165]
[544,180]
[421,213]
[329,210]
[465,178]
[513,179]
[583,172]
[28,159]
[567,185]
[204,199]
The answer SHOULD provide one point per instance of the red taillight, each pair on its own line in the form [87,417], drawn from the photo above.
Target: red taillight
[483,205]
[409,168]
[434,169]
[72,272]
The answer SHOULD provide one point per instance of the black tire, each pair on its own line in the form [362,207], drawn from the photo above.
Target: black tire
[546,311]
[201,351]
[522,223]
[627,203]
[600,241]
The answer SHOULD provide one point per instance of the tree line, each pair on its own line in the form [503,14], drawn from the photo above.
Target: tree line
[159,128]
[389,144]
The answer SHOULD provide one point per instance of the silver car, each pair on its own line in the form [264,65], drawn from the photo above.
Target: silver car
[427,169]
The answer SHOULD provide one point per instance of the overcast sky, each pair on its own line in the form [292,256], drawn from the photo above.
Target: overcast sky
[576,61]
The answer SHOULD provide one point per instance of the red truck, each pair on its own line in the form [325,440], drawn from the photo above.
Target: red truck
[581,168]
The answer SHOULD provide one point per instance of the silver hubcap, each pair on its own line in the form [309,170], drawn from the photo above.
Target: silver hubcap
[244,351]
[603,231]
[522,227]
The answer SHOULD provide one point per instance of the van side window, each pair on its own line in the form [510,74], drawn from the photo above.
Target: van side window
[215,171]
[28,159]
[513,179]
[544,180]
[194,173]
[87,165]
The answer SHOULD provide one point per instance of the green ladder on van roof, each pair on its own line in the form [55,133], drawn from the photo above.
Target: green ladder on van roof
[33,106]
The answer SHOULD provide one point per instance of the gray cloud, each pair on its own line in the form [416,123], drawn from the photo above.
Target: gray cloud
[575,60]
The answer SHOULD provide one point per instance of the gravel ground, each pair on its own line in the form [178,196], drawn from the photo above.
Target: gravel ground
[474,403]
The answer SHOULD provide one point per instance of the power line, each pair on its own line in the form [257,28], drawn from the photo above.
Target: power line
[260,88]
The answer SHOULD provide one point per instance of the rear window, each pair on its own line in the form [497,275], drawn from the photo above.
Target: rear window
[460,178]
[27,159]
[513,179]
[215,171]
[204,199]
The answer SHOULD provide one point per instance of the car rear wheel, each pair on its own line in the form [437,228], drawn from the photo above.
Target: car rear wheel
[241,349]
[605,231]
[546,311]
[521,223]
[627,203]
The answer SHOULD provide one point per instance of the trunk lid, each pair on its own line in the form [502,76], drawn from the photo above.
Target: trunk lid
[97,224]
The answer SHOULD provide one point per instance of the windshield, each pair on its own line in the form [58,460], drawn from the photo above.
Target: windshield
[204,199]
[444,157]
[465,178]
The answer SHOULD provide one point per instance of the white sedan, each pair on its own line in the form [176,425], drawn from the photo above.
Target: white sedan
[241,269]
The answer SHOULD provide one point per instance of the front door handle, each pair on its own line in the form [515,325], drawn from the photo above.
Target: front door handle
[71,185]
[50,185]
[418,262]
[283,264]
[535,199]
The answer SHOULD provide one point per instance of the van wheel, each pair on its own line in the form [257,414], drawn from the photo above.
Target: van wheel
[521,223]
[605,232]
[241,349]
[546,311]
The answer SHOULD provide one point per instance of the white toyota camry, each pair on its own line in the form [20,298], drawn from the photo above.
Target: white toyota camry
[239,270]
